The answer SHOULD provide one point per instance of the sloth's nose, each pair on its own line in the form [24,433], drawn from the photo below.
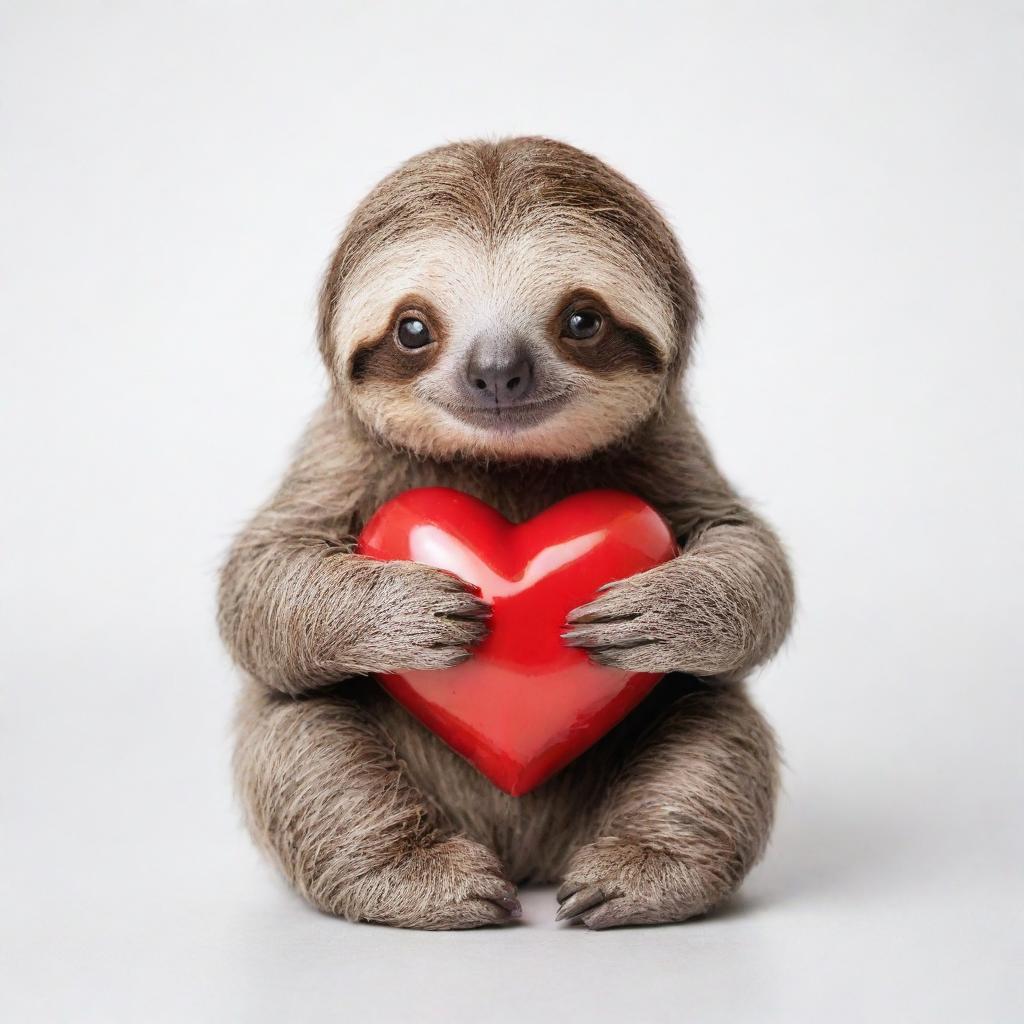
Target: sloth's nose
[499,378]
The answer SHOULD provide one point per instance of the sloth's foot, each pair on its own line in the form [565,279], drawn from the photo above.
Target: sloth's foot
[617,882]
[454,883]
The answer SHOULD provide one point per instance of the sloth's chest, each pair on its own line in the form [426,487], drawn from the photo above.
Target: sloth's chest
[518,494]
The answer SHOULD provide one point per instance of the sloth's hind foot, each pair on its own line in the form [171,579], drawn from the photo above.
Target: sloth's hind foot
[615,882]
[451,884]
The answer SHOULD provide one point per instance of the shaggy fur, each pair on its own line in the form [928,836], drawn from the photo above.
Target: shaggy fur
[367,813]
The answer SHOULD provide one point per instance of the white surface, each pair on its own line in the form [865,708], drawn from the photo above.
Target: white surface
[847,179]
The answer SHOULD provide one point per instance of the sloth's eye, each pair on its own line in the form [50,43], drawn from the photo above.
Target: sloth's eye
[413,333]
[582,324]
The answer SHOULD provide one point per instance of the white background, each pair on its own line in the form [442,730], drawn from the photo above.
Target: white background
[847,179]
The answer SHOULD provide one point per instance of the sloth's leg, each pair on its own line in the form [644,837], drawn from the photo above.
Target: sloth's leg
[685,821]
[325,796]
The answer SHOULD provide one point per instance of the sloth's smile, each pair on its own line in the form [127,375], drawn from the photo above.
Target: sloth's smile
[505,418]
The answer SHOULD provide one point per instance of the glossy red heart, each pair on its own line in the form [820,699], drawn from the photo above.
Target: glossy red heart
[525,704]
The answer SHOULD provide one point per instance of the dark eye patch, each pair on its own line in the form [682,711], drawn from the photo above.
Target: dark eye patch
[382,361]
[613,347]
[620,349]
[400,354]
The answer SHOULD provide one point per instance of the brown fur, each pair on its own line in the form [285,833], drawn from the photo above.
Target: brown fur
[366,812]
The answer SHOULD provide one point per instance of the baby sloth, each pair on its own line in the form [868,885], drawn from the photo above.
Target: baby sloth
[513,320]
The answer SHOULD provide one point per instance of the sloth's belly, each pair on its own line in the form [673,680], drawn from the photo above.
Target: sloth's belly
[533,834]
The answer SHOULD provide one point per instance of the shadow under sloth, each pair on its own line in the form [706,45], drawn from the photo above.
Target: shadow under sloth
[511,319]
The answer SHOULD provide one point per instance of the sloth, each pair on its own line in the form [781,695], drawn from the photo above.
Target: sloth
[512,319]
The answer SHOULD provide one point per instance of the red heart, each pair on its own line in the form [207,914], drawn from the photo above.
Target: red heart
[525,704]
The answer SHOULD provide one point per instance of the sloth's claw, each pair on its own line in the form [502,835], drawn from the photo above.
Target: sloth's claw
[584,898]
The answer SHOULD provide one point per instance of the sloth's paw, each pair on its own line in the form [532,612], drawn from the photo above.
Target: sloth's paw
[455,883]
[431,620]
[631,624]
[615,882]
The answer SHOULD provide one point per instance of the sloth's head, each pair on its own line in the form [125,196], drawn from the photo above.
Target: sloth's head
[506,300]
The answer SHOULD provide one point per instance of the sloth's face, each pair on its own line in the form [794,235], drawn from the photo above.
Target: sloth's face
[551,343]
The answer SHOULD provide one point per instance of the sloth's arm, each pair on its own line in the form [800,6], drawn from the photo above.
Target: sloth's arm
[723,606]
[298,610]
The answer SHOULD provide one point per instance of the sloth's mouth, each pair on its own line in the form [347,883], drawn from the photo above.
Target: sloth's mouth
[505,418]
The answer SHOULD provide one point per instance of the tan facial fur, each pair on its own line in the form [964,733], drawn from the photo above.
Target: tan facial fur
[491,269]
